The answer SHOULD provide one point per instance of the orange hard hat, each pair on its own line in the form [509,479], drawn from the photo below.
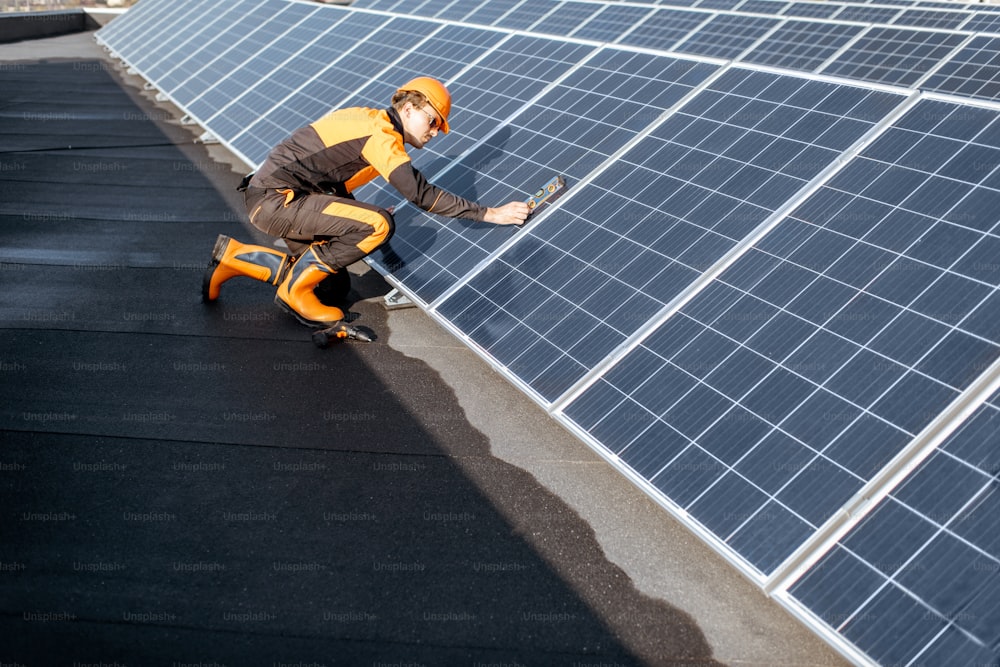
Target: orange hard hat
[436,94]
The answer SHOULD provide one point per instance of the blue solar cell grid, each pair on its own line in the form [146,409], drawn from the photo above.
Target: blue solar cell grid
[918,579]
[264,50]
[664,29]
[727,36]
[252,14]
[828,345]
[127,28]
[316,43]
[277,105]
[366,54]
[802,45]
[181,26]
[526,14]
[614,255]
[893,55]
[611,22]
[490,12]
[974,71]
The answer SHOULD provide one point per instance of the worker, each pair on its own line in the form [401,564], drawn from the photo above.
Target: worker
[302,193]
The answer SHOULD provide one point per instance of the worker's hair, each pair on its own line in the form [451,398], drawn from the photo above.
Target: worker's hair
[401,97]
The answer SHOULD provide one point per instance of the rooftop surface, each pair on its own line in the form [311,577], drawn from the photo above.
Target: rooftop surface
[192,484]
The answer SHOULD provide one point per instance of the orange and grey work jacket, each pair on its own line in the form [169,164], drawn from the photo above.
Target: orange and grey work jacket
[348,148]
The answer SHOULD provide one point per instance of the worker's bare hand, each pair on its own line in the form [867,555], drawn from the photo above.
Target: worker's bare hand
[512,213]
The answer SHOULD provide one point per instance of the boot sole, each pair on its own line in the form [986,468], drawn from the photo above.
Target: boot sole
[217,252]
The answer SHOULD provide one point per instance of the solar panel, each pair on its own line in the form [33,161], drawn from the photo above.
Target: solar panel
[803,45]
[490,12]
[250,15]
[526,14]
[123,30]
[974,71]
[665,28]
[917,578]
[893,55]
[308,50]
[133,45]
[927,18]
[611,22]
[265,49]
[829,345]
[727,36]
[648,226]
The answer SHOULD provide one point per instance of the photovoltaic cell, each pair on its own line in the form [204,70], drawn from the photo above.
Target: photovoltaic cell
[831,343]
[526,14]
[918,579]
[354,68]
[817,10]
[974,71]
[664,29]
[264,50]
[490,12]
[927,18]
[611,22]
[802,45]
[181,26]
[277,105]
[124,31]
[643,230]
[988,22]
[565,18]
[769,7]
[252,14]
[727,35]
[893,55]
[867,13]
[307,50]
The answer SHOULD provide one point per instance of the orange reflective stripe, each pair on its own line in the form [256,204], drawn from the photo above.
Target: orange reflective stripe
[379,225]
[289,195]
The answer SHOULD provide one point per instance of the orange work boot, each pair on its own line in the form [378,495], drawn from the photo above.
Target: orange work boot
[230,259]
[295,293]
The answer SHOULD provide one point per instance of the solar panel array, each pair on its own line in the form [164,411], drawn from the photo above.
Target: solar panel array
[770,295]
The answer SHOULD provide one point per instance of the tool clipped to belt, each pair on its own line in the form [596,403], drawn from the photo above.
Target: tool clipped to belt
[245,183]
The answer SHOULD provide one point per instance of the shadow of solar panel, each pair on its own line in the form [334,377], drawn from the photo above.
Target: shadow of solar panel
[666,211]
[841,334]
[928,560]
